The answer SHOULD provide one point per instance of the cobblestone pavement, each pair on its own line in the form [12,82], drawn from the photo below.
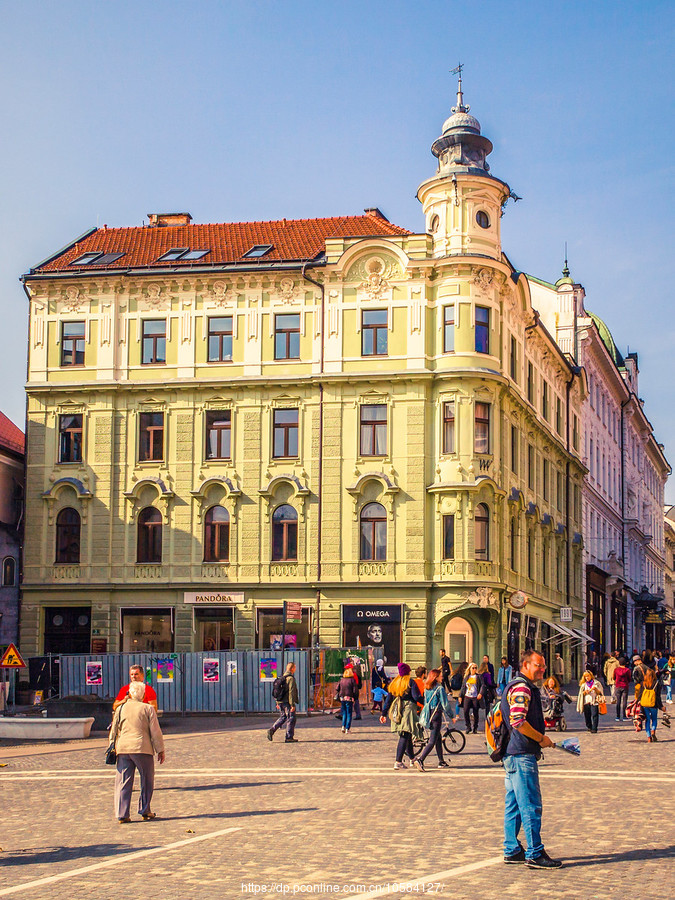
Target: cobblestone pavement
[239,813]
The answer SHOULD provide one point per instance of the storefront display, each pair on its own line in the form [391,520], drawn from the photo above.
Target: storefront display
[147,630]
[373,626]
[271,626]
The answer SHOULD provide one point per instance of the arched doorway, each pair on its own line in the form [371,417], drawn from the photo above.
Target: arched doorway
[458,640]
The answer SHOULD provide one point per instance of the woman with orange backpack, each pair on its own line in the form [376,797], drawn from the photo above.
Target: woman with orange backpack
[650,701]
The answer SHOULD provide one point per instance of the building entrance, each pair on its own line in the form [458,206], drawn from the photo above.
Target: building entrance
[458,641]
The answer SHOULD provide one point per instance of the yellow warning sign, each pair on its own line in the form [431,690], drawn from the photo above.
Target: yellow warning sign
[11,659]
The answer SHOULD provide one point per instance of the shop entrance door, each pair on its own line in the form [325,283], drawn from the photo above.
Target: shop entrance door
[458,641]
[67,629]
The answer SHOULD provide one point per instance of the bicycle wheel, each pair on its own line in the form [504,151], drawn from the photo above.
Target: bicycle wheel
[454,740]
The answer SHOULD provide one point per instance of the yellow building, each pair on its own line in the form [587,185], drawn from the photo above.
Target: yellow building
[336,412]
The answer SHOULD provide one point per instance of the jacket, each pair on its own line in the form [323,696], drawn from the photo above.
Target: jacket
[504,675]
[293,695]
[409,723]
[378,678]
[609,667]
[347,689]
[138,729]
[621,677]
[438,702]
[519,744]
[595,696]
[479,685]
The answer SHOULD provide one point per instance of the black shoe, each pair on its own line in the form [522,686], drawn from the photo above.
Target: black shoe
[543,861]
[419,765]
[291,741]
[475,731]
[443,765]
[270,734]
[518,857]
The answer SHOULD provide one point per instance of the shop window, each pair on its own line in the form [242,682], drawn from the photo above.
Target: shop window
[70,438]
[285,433]
[217,535]
[68,536]
[374,332]
[67,629]
[220,339]
[153,342]
[481,435]
[284,534]
[72,343]
[482,329]
[373,532]
[215,629]
[449,427]
[449,328]
[482,531]
[373,432]
[270,630]
[448,537]
[8,571]
[218,434]
[151,436]
[147,630]
[149,549]
[287,336]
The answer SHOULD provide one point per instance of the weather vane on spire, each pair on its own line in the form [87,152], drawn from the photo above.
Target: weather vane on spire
[460,97]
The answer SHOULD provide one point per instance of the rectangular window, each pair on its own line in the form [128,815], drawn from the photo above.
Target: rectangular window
[530,466]
[530,383]
[482,329]
[287,336]
[546,469]
[285,439]
[575,431]
[481,434]
[559,489]
[514,359]
[374,332]
[449,427]
[151,443]
[448,537]
[544,562]
[515,441]
[70,438]
[72,343]
[373,439]
[154,342]
[220,339]
[544,399]
[558,416]
[449,328]
[530,555]
[218,432]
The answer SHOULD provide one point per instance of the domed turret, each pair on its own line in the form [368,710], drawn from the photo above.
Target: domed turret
[461,147]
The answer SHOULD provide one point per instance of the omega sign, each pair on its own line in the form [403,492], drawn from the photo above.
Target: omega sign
[213,598]
[371,613]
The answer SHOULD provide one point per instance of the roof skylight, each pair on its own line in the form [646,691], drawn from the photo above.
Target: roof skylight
[257,252]
[183,254]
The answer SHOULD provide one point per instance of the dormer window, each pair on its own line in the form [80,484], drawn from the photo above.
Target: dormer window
[182,254]
[257,252]
[96,257]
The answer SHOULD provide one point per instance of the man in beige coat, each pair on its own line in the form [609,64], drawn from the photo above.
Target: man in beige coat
[137,738]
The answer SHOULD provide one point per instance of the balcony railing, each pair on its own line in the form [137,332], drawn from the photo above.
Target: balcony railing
[469,568]
[65,572]
[149,571]
[373,568]
[215,570]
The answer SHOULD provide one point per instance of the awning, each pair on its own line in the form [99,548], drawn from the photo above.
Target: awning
[567,633]
[583,635]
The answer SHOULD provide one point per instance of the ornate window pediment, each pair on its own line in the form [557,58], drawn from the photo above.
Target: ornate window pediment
[374,487]
[67,492]
[147,492]
[285,488]
[216,491]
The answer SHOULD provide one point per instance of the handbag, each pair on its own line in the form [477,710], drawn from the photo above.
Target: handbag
[602,707]
[111,753]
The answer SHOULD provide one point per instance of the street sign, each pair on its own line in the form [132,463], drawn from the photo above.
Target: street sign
[294,612]
[11,659]
[566,614]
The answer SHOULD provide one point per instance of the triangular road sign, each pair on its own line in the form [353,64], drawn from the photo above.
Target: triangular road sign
[11,659]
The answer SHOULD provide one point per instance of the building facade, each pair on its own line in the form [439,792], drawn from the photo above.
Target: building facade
[11,526]
[369,422]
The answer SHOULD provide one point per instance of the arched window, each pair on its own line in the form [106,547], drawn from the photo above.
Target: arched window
[217,535]
[373,532]
[482,523]
[284,534]
[149,548]
[68,536]
[8,571]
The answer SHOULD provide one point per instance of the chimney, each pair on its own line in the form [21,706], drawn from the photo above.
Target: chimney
[164,220]
[375,213]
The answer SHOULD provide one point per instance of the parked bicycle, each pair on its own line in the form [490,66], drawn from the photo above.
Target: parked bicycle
[453,739]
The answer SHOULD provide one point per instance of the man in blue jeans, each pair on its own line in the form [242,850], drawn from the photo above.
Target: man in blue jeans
[522,712]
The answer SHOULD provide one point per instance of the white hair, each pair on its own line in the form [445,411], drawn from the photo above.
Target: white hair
[137,690]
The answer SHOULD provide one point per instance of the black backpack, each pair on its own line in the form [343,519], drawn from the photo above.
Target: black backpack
[280,688]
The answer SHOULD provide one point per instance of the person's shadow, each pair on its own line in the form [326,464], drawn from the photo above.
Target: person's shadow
[637,855]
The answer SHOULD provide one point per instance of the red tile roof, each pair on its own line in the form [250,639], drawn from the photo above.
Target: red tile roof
[11,437]
[291,239]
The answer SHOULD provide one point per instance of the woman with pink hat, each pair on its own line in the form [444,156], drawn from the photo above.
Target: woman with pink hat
[401,705]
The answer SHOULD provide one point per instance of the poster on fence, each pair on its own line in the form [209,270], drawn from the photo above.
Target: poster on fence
[94,673]
[268,669]
[211,671]
[165,670]
[232,667]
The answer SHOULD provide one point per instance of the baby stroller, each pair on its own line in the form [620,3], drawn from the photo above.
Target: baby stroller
[554,713]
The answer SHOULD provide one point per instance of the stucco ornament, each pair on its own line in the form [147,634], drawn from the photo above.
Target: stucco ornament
[218,292]
[288,291]
[72,301]
[482,597]
[155,297]
[483,279]
[375,273]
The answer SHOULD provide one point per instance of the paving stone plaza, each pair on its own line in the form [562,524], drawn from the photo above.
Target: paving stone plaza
[328,816]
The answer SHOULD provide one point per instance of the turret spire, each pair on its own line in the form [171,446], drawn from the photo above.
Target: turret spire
[566,271]
[460,108]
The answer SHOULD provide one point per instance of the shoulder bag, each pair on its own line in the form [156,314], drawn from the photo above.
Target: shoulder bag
[111,753]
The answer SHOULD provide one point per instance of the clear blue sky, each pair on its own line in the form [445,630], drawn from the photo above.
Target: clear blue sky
[259,110]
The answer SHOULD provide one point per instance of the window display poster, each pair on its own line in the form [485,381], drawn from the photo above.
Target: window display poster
[268,669]
[165,669]
[291,642]
[94,673]
[211,671]
[374,626]
[232,667]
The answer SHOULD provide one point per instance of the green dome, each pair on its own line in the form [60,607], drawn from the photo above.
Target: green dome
[607,339]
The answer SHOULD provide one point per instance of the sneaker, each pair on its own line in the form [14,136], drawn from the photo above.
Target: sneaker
[419,765]
[654,739]
[443,765]
[617,719]
[347,731]
[291,741]
[270,734]
[517,857]
[399,765]
[343,729]
[543,861]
